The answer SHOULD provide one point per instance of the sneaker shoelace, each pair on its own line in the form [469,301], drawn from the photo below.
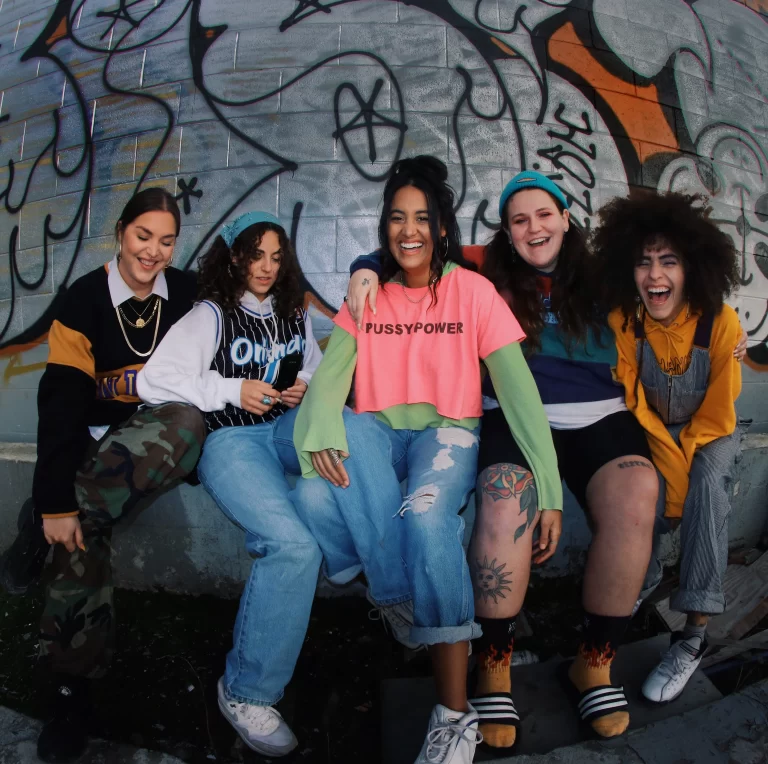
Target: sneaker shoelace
[264,719]
[674,664]
[440,738]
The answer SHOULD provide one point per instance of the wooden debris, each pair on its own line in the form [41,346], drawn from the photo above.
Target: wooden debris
[746,596]
[746,591]
[735,647]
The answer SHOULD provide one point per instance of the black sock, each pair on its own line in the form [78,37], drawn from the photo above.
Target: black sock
[494,648]
[603,634]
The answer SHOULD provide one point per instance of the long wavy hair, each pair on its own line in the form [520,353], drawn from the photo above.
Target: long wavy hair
[682,221]
[430,176]
[573,297]
[223,272]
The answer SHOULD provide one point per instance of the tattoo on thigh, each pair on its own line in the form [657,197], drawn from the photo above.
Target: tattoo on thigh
[365,282]
[634,463]
[510,481]
[489,580]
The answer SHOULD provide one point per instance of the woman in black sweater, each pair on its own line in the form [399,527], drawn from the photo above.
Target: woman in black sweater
[98,453]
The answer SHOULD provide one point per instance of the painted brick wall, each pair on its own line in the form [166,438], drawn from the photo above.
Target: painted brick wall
[300,108]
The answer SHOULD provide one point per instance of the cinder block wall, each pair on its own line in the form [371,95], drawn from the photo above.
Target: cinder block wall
[300,108]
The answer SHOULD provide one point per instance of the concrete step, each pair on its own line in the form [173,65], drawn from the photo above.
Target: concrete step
[548,720]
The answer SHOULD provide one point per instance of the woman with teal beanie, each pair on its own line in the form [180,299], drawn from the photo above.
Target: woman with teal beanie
[244,355]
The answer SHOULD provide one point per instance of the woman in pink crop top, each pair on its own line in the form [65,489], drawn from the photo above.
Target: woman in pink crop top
[416,368]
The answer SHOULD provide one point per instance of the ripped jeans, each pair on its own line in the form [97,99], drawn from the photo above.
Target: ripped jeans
[408,547]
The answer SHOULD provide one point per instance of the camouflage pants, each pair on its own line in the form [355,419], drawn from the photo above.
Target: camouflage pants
[151,449]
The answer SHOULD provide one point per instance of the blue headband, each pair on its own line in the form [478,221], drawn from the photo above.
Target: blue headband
[530,179]
[232,230]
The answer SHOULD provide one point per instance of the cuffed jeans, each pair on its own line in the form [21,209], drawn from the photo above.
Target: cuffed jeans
[408,546]
[243,468]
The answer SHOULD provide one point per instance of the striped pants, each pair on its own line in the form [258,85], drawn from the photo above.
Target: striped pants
[703,530]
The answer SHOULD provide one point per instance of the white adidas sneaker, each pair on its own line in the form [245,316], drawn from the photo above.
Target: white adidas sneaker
[262,728]
[451,738]
[669,678]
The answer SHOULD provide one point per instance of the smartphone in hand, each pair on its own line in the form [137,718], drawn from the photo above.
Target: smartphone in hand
[290,366]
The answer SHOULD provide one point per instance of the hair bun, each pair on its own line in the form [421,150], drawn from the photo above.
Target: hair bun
[429,167]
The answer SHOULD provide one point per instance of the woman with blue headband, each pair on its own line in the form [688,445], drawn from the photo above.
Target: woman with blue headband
[244,355]
[539,263]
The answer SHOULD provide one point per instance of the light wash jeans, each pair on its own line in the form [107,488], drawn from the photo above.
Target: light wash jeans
[243,468]
[409,546]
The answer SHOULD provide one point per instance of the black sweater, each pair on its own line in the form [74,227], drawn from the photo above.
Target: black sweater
[90,378]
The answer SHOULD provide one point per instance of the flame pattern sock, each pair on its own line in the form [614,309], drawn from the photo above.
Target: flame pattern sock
[494,656]
[592,666]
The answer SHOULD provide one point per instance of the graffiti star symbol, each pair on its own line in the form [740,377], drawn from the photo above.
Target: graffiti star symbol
[187,191]
[366,119]
[121,13]
[304,9]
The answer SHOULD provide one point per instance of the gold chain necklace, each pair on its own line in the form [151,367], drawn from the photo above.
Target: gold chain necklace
[415,302]
[154,339]
[140,322]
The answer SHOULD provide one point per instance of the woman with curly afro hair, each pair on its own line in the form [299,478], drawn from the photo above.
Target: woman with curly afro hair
[667,270]
[244,355]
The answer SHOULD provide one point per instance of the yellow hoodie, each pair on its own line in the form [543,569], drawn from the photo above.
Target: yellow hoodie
[715,418]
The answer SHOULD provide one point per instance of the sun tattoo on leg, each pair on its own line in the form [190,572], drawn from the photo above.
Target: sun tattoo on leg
[490,580]
[510,481]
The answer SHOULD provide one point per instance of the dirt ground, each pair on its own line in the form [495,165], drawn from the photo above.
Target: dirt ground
[161,693]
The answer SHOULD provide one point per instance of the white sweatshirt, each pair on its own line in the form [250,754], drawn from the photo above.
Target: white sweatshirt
[180,368]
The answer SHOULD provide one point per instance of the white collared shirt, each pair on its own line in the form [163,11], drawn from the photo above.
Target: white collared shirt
[119,291]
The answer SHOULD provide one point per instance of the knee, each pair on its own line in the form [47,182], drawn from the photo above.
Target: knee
[311,494]
[185,417]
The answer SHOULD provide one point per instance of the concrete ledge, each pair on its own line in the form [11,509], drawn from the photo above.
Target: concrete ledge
[183,543]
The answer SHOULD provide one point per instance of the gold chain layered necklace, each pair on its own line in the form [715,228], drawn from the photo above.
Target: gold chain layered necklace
[140,324]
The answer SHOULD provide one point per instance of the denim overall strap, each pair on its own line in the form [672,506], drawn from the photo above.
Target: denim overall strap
[704,529]
[675,397]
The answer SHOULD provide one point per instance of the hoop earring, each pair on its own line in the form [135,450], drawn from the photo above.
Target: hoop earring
[445,247]
[118,253]
[229,271]
[168,264]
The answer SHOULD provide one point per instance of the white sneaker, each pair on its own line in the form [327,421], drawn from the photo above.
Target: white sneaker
[451,737]
[669,678]
[262,728]
[399,617]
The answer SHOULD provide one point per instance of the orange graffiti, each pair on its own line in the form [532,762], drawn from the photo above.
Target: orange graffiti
[509,51]
[59,33]
[15,367]
[636,107]
[759,6]
[13,349]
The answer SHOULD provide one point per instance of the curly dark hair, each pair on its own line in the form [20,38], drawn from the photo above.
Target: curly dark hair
[223,272]
[573,295]
[430,176]
[628,225]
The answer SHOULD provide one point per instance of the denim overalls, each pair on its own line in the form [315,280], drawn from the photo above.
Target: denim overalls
[704,527]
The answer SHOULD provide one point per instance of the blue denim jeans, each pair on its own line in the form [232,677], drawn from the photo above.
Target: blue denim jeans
[243,468]
[409,546]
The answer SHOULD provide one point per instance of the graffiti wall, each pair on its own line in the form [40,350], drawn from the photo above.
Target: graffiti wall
[299,107]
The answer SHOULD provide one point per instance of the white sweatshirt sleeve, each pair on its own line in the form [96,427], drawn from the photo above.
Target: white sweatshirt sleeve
[312,353]
[180,368]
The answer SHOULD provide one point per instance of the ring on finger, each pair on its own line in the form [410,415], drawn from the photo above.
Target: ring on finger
[266,400]
[335,458]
